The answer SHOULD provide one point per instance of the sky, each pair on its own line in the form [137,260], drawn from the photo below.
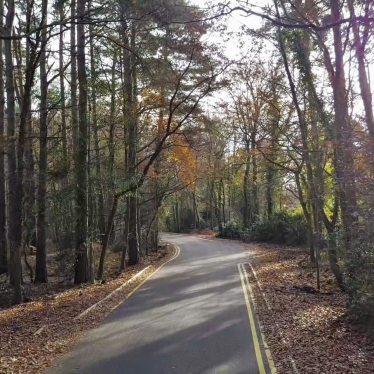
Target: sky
[234,22]
[238,19]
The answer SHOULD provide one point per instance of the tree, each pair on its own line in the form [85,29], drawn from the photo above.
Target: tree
[82,271]
[15,194]
[3,233]
[41,253]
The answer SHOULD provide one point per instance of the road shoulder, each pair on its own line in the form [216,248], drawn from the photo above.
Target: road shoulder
[31,345]
[306,331]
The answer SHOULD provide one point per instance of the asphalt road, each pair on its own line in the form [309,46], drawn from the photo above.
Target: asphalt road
[189,318]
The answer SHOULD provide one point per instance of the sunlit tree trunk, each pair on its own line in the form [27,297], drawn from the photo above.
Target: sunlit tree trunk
[307,216]
[360,43]
[132,134]
[343,131]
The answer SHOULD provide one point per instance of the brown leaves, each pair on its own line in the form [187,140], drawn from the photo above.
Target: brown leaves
[303,324]
[33,334]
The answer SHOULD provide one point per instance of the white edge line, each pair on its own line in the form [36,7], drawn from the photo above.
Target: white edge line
[41,329]
[111,294]
[176,254]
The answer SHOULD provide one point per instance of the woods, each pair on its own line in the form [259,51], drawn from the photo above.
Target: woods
[122,119]
[89,113]
[289,154]
[243,120]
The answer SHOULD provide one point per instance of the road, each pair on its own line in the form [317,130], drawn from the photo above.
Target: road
[191,317]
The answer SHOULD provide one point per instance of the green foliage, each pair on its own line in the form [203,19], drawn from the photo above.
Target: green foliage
[295,39]
[282,228]
[359,275]
[231,230]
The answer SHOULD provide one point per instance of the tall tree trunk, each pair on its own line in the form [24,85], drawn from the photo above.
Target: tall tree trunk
[26,191]
[15,216]
[246,209]
[125,236]
[74,106]
[3,233]
[41,275]
[195,209]
[73,79]
[359,46]
[218,200]
[104,248]
[111,143]
[132,133]
[307,216]
[177,214]
[343,130]
[100,192]
[271,173]
[62,89]
[255,204]
[29,184]
[138,224]
[82,271]
[269,190]
[223,191]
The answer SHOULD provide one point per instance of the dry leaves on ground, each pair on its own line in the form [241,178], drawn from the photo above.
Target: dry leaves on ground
[303,325]
[33,334]
[205,234]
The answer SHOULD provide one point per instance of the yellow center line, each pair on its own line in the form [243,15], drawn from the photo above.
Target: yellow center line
[256,342]
[177,253]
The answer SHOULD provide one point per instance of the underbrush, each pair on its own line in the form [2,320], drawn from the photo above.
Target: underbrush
[281,228]
[359,276]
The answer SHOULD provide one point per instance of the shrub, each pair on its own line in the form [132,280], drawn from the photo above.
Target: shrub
[230,230]
[359,275]
[281,228]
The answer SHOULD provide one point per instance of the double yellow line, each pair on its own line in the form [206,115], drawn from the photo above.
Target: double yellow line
[247,290]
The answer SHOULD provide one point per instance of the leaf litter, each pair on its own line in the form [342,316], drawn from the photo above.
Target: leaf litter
[34,333]
[302,323]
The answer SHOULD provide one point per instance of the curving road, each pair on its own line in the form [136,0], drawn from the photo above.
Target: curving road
[189,318]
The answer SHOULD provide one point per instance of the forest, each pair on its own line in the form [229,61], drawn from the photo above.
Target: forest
[122,119]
